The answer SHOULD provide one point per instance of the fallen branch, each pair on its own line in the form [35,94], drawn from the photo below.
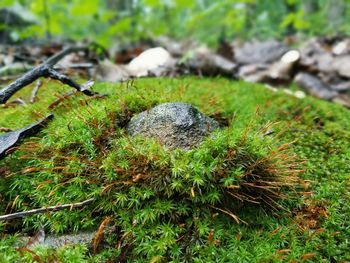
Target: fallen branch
[13,138]
[57,57]
[13,71]
[44,70]
[35,90]
[45,209]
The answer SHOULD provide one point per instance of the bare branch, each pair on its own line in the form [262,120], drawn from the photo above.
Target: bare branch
[57,57]
[21,82]
[44,70]
[13,138]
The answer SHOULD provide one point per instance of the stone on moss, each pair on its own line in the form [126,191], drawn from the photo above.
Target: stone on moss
[175,125]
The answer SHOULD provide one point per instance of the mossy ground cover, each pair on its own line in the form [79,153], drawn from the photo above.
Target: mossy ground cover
[174,205]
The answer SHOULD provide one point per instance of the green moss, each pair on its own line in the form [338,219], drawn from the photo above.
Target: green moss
[183,205]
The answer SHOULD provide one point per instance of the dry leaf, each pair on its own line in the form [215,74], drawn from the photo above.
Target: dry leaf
[100,233]
[38,239]
[307,256]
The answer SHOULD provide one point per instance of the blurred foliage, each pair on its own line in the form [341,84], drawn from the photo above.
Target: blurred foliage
[204,20]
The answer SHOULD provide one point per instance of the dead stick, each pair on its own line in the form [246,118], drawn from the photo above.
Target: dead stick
[43,70]
[35,91]
[75,66]
[45,209]
[57,57]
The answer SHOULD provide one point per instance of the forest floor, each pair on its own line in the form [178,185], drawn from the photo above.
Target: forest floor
[178,212]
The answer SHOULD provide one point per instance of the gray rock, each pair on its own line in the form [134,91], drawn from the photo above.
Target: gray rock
[210,64]
[257,52]
[314,86]
[341,65]
[55,242]
[175,125]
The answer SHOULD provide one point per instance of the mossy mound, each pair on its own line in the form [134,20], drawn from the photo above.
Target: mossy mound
[236,197]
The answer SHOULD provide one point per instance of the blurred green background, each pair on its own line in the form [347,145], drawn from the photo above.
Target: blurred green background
[208,21]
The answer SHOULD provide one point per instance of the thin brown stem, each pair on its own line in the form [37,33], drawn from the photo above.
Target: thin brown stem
[46,209]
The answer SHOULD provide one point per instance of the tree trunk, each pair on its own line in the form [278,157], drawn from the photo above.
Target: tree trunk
[310,7]
[336,13]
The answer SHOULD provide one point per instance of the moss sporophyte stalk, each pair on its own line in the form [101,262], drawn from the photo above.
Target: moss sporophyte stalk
[269,185]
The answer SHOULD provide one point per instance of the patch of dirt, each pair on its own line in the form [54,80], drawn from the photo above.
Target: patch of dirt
[309,216]
[4,171]
[223,120]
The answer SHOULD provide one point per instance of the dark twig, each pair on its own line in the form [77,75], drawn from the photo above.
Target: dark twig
[20,70]
[51,73]
[13,138]
[44,70]
[21,82]
[45,209]
[57,57]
